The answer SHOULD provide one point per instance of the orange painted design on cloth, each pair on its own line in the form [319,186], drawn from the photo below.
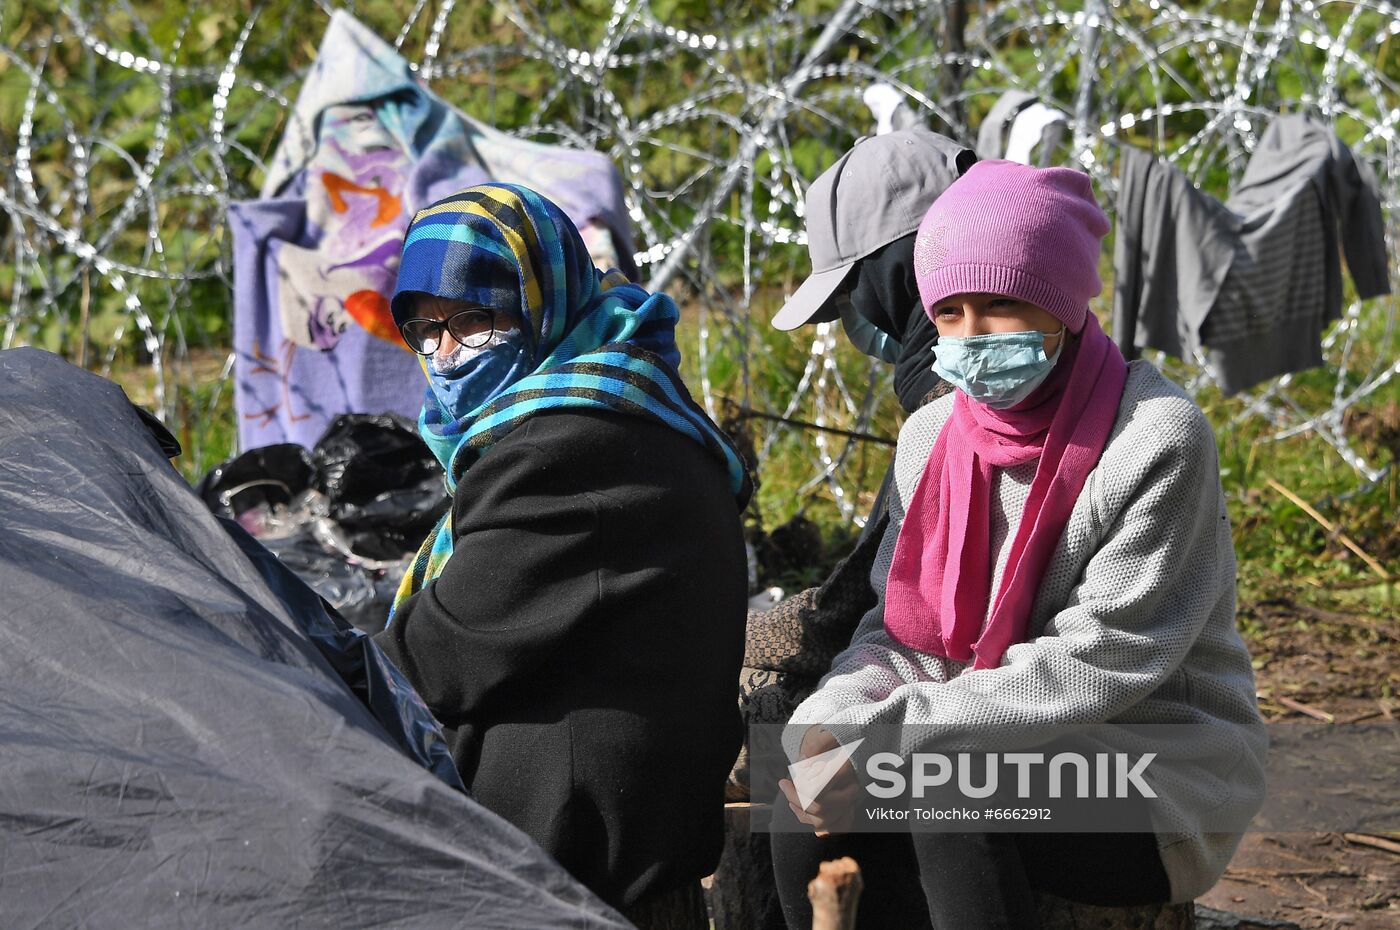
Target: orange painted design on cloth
[371,310]
[390,206]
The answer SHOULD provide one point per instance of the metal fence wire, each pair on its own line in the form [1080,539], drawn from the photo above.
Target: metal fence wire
[126,130]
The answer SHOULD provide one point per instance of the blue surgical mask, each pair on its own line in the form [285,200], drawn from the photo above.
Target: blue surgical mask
[865,335]
[468,378]
[996,369]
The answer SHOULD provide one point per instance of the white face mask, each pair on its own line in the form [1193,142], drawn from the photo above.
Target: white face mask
[996,369]
[446,364]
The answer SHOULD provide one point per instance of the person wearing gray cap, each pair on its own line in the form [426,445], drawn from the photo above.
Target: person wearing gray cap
[862,214]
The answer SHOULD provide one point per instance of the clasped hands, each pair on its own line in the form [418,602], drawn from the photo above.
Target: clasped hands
[833,810]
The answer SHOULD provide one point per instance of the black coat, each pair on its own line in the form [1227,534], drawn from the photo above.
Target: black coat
[582,645]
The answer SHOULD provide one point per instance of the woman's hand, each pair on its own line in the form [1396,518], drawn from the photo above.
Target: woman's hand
[832,811]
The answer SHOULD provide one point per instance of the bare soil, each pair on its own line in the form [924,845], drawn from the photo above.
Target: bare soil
[1346,665]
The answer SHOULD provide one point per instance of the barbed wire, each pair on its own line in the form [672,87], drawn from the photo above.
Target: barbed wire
[128,142]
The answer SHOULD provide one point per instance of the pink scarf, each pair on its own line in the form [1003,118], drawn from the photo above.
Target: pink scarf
[940,577]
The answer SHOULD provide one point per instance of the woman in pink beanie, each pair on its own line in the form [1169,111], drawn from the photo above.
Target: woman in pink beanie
[1058,554]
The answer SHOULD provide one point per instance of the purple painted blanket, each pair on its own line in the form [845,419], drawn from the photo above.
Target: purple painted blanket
[315,258]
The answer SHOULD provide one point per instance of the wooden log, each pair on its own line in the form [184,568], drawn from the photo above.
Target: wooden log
[834,894]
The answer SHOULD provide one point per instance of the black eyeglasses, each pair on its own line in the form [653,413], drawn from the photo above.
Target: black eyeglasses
[472,328]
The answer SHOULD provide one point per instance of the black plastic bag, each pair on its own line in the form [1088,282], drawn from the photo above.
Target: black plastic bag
[395,522]
[345,517]
[384,487]
[361,594]
[360,455]
[253,486]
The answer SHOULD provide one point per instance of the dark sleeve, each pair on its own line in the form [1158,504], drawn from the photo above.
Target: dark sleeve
[522,577]
[1362,224]
[1135,166]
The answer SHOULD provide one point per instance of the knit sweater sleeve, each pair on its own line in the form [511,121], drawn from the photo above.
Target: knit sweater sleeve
[1138,605]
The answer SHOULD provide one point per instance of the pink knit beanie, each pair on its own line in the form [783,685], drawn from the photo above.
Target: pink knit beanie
[1010,229]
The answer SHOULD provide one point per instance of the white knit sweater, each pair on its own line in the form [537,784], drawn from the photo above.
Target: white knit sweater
[1134,622]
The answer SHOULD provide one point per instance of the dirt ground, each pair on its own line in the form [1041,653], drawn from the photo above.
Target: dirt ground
[1347,666]
[1318,881]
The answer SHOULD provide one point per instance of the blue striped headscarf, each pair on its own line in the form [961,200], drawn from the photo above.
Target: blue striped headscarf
[597,341]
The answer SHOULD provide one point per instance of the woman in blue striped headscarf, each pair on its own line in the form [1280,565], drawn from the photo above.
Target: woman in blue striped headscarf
[576,620]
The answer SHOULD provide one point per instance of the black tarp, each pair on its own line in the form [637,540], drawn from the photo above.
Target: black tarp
[188,738]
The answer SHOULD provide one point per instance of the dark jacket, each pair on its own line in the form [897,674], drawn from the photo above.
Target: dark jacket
[582,645]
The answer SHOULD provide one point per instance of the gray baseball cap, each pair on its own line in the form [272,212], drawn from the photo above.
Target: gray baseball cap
[876,193]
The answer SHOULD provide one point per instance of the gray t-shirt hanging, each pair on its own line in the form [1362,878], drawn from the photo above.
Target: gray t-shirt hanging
[1255,280]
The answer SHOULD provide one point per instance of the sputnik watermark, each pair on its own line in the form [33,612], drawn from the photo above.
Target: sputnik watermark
[1066,774]
[1115,774]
